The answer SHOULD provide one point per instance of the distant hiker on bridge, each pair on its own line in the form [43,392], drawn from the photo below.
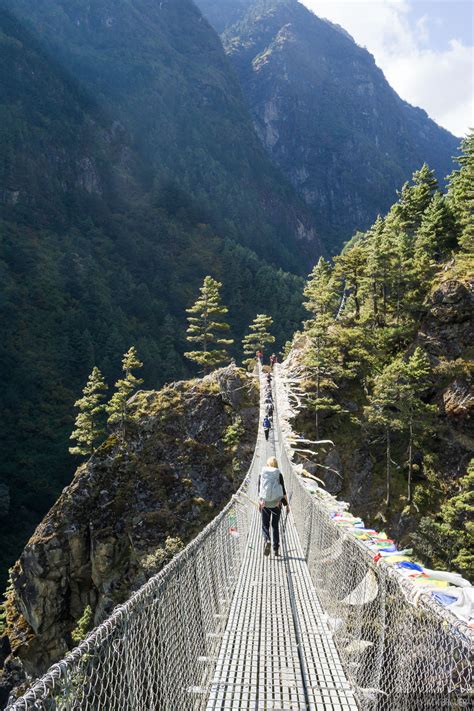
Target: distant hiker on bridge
[269,410]
[273,360]
[266,426]
[271,494]
[260,356]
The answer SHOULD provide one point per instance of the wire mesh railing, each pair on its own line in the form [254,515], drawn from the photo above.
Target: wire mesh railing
[400,650]
[159,649]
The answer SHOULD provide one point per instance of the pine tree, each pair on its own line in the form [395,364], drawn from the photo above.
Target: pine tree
[320,293]
[323,361]
[416,416]
[434,239]
[350,267]
[90,422]
[382,411]
[206,326]
[448,538]
[374,284]
[356,346]
[415,198]
[117,407]
[258,337]
[400,249]
[461,194]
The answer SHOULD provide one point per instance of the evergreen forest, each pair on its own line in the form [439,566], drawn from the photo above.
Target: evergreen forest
[387,359]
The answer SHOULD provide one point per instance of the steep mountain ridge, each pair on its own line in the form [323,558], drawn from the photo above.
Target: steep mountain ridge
[326,113]
[159,69]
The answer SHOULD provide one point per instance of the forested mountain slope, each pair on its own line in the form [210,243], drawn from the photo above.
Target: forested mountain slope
[386,365]
[325,112]
[159,69]
[93,262]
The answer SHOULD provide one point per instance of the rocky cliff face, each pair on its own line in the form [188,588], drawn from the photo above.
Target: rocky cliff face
[128,510]
[326,113]
[159,69]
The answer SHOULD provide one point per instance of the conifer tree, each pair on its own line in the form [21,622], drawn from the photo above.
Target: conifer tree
[357,349]
[206,327]
[258,337]
[323,361]
[90,422]
[448,538]
[320,293]
[117,407]
[382,411]
[375,284]
[400,245]
[461,194]
[415,198]
[350,266]
[415,415]
[434,239]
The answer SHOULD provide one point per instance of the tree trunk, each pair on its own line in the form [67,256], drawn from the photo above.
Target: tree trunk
[387,499]
[374,301]
[204,344]
[356,302]
[318,392]
[410,459]
[399,295]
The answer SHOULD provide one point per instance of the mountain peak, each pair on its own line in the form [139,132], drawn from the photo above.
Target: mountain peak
[327,115]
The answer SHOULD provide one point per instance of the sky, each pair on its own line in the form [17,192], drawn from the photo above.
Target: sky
[424,47]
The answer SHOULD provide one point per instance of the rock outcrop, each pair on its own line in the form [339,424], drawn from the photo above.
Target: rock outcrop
[128,509]
[325,112]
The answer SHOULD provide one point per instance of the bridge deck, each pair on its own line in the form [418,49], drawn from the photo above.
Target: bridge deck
[277,653]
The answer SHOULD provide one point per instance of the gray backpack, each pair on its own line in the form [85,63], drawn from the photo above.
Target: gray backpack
[270,488]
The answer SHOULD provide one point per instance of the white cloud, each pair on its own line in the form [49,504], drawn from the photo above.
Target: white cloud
[439,80]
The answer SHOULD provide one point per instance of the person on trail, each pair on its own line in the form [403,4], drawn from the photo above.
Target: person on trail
[266,427]
[260,356]
[271,495]
[269,410]
[273,360]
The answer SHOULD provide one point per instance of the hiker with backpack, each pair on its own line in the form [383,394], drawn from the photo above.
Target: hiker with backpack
[266,426]
[271,495]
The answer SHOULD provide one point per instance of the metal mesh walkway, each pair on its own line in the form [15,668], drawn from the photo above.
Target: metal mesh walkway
[276,651]
[223,627]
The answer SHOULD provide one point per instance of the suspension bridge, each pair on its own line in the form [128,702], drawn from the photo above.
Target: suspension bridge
[321,627]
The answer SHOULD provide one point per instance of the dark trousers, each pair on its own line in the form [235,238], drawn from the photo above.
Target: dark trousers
[274,516]
[267,432]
